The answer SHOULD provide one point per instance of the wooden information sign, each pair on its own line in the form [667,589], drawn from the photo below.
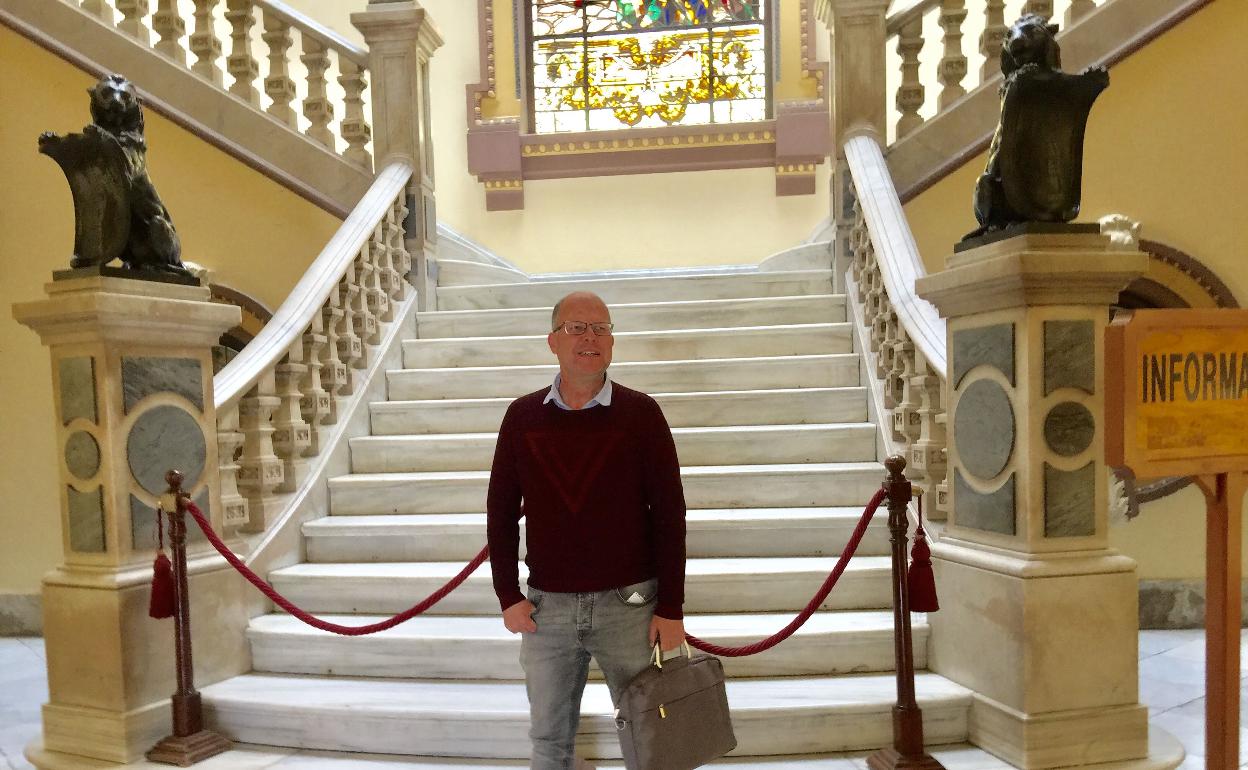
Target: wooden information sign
[1176,404]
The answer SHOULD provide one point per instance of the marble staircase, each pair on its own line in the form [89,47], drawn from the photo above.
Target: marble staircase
[756,373]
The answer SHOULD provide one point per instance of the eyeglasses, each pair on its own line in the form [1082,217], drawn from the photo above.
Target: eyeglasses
[577,328]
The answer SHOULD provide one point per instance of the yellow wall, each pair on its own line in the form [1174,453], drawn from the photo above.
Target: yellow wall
[1164,147]
[256,234]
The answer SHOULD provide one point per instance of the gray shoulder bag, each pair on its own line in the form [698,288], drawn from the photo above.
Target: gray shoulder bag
[674,715]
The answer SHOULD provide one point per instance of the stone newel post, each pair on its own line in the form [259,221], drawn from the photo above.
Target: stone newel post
[858,30]
[132,385]
[401,39]
[1038,616]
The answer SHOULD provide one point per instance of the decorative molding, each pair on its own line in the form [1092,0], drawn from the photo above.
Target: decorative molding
[1193,268]
[484,87]
[818,70]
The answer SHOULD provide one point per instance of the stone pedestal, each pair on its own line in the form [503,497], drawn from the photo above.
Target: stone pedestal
[132,385]
[401,39]
[1038,616]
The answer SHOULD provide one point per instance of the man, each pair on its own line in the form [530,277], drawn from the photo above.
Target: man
[592,466]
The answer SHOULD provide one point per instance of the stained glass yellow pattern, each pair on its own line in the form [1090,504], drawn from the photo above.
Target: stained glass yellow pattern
[609,64]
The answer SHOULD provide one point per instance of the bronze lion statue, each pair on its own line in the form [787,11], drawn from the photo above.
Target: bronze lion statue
[118,214]
[1035,162]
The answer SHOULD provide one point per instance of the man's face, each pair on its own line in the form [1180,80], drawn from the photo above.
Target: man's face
[585,355]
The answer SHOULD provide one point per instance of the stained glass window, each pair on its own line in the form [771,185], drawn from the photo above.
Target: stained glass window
[610,64]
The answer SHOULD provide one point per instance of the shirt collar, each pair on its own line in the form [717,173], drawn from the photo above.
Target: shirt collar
[603,398]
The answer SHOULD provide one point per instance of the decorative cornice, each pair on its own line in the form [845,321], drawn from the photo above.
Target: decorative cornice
[1194,269]
[537,145]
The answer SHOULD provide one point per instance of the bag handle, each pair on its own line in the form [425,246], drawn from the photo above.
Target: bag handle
[657,653]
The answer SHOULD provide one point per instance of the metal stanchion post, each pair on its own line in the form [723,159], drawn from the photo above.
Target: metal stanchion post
[907,752]
[190,742]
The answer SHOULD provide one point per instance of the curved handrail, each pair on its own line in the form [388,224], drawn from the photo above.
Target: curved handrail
[310,26]
[908,14]
[895,249]
[309,295]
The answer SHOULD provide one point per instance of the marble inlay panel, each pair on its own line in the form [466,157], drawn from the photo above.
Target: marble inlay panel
[1068,496]
[77,376]
[141,376]
[983,428]
[991,345]
[82,455]
[992,512]
[143,524]
[1069,428]
[163,438]
[1068,356]
[86,520]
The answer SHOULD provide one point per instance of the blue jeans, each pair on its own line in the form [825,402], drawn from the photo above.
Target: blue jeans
[611,626]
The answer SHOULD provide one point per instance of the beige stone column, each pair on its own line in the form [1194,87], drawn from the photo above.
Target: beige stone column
[132,386]
[1038,616]
[401,39]
[858,35]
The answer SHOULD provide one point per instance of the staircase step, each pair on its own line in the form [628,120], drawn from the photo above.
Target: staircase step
[643,316]
[481,648]
[756,373]
[707,486]
[711,586]
[716,532]
[659,288]
[695,409]
[674,345]
[747,444]
[490,719]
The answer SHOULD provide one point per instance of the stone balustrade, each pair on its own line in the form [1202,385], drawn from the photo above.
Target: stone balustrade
[278,398]
[255,42]
[901,336]
[931,68]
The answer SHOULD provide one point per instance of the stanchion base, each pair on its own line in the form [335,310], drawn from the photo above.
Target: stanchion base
[186,751]
[889,758]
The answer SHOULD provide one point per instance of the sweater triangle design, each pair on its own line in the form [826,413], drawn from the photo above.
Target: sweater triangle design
[571,467]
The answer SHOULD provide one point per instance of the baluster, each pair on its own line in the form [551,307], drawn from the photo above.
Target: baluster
[952,68]
[98,8]
[927,452]
[290,432]
[364,321]
[402,257]
[205,44]
[260,470]
[278,85]
[992,38]
[350,350]
[242,66]
[910,93]
[905,414]
[335,376]
[229,439]
[354,128]
[1078,9]
[316,106]
[133,12]
[168,23]
[315,405]
[379,259]
[387,276]
[1039,7]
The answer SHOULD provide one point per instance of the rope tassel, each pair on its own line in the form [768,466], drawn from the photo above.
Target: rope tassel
[920,581]
[162,602]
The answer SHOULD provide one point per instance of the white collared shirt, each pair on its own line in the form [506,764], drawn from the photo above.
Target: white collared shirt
[603,398]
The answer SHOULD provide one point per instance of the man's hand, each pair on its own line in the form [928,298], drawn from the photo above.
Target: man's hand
[670,633]
[518,617]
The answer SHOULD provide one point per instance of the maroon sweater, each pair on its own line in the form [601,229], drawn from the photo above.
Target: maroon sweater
[600,489]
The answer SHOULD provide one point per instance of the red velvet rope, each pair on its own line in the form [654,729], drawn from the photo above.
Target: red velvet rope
[728,652]
[851,547]
[316,622]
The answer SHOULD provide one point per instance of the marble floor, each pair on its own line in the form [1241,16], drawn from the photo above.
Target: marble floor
[1172,668]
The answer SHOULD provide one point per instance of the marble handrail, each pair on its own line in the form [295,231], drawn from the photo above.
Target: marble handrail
[902,337]
[310,26]
[274,397]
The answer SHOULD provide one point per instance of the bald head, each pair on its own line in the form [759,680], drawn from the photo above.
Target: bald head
[576,299]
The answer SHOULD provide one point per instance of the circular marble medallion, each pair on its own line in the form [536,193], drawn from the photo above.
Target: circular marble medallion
[164,438]
[1069,428]
[984,426]
[82,455]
